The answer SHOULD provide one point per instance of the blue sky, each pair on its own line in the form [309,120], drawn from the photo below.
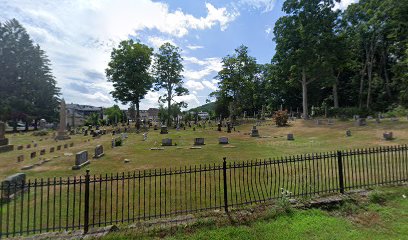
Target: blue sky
[78,36]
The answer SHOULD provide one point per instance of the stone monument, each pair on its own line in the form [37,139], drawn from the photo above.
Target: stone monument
[62,135]
[254,132]
[4,142]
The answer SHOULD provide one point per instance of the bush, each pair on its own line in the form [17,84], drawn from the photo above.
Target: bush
[377,197]
[281,118]
[349,112]
[118,142]
[399,111]
[40,133]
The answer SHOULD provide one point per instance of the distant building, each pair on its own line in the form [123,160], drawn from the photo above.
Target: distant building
[150,114]
[77,114]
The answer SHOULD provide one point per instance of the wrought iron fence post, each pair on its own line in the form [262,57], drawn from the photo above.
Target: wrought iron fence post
[340,166]
[224,170]
[86,208]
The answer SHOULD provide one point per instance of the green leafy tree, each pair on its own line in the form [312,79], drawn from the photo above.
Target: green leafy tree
[128,70]
[114,114]
[167,70]
[28,87]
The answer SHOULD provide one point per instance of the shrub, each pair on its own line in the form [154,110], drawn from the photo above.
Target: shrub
[399,111]
[377,197]
[118,142]
[281,118]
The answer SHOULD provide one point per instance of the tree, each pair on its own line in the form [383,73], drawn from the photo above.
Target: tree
[167,70]
[28,87]
[128,70]
[114,114]
[300,39]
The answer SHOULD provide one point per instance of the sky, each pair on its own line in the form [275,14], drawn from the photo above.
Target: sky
[78,36]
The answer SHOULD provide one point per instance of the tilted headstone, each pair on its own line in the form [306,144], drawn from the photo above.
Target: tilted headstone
[254,132]
[290,137]
[199,141]
[167,142]
[81,159]
[12,185]
[223,140]
[388,136]
[99,151]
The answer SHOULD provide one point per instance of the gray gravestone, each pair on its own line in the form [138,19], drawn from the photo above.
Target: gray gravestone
[42,151]
[20,147]
[33,155]
[58,147]
[12,185]
[348,133]
[4,142]
[163,130]
[52,149]
[167,142]
[254,132]
[388,136]
[62,135]
[81,159]
[20,158]
[199,141]
[223,140]
[290,137]
[99,151]
[361,122]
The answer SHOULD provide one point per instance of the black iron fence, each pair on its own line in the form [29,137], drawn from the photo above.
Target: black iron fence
[56,204]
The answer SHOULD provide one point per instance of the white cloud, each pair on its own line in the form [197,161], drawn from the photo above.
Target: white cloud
[208,66]
[194,47]
[265,5]
[156,42]
[190,99]
[211,85]
[194,85]
[343,4]
[268,30]
[78,36]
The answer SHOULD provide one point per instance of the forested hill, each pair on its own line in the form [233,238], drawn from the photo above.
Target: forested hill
[209,107]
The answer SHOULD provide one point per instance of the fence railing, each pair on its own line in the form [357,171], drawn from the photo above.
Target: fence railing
[56,204]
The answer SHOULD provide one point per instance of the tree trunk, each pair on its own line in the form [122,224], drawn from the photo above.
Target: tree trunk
[26,126]
[137,115]
[360,94]
[386,77]
[36,124]
[168,107]
[335,92]
[304,95]
[369,73]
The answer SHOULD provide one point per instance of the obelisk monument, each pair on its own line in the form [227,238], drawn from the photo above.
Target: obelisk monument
[62,135]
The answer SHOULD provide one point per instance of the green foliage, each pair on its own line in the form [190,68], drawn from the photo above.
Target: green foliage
[93,120]
[128,70]
[28,87]
[281,118]
[377,197]
[114,114]
[167,71]
[399,111]
[118,142]
[347,112]
[40,133]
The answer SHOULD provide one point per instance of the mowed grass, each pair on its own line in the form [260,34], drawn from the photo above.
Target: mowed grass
[309,138]
[388,220]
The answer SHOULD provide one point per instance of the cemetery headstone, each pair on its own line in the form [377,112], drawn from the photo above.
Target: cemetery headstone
[361,122]
[330,122]
[35,145]
[12,185]
[254,132]
[28,146]
[20,158]
[58,147]
[52,149]
[66,145]
[163,130]
[348,133]
[144,136]
[394,119]
[20,147]
[86,132]
[62,135]
[33,155]
[99,151]
[4,142]
[290,137]
[388,136]
[199,141]
[81,159]
[167,142]
[223,140]
[42,151]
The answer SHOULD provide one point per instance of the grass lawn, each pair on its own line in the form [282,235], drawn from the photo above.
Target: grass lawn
[365,220]
[309,137]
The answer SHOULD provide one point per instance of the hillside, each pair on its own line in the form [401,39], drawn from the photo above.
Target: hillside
[209,107]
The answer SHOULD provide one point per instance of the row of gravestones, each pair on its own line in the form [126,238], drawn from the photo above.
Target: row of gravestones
[81,158]
[197,141]
[20,158]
